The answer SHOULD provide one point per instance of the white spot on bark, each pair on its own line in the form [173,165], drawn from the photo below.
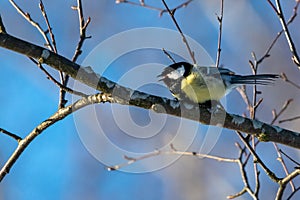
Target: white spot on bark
[238,120]
[277,128]
[257,124]
[88,69]
[108,83]
[45,54]
[139,95]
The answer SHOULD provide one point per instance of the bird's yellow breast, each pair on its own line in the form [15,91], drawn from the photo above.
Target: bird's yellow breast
[199,89]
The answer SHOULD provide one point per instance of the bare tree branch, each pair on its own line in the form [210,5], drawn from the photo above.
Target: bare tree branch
[290,158]
[220,20]
[284,25]
[34,24]
[51,45]
[42,8]
[171,13]
[173,151]
[284,107]
[289,119]
[61,86]
[161,10]
[126,96]
[82,37]
[168,55]
[258,160]
[279,152]
[267,53]
[284,182]
[12,135]
[285,78]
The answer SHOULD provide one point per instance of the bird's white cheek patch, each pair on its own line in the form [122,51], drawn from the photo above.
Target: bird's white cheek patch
[174,75]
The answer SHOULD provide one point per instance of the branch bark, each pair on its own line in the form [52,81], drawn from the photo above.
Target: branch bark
[126,96]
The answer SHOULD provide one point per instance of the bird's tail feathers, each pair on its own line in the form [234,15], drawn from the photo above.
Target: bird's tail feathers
[261,79]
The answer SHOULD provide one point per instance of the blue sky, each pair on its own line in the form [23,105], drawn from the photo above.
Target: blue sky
[57,165]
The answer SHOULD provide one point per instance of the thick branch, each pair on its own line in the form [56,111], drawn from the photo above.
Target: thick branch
[126,96]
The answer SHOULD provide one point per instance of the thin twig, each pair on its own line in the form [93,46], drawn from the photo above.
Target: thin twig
[257,159]
[168,55]
[242,167]
[284,182]
[82,37]
[171,13]
[62,100]
[12,135]
[285,78]
[48,44]
[139,4]
[82,30]
[184,4]
[288,36]
[243,92]
[281,160]
[61,86]
[133,160]
[44,13]
[284,25]
[33,23]
[254,67]
[220,20]
[284,107]
[161,10]
[252,110]
[243,191]
[267,53]
[279,152]
[172,151]
[289,119]
[293,193]
[290,158]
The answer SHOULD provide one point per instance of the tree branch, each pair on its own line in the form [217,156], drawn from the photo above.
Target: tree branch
[126,96]
[220,20]
[171,13]
[284,182]
[284,25]
[12,135]
[288,36]
[161,10]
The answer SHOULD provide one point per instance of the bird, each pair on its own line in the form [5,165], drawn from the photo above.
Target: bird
[201,84]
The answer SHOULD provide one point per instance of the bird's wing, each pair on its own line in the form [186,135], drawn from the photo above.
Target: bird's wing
[214,71]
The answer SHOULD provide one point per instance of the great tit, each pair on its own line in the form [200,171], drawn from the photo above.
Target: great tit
[203,84]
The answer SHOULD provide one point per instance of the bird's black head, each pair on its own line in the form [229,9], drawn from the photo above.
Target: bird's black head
[173,75]
[177,70]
